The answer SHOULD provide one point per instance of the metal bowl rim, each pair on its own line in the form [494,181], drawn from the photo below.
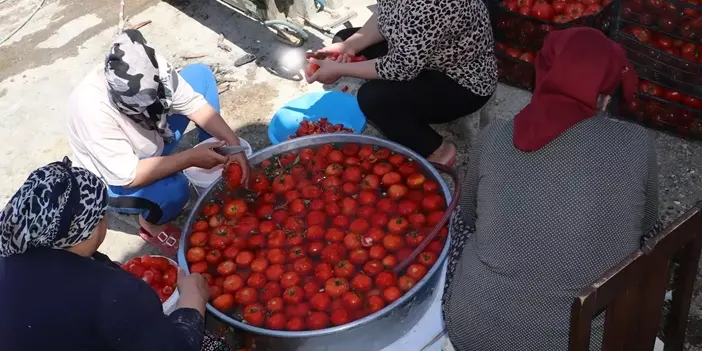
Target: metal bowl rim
[316,140]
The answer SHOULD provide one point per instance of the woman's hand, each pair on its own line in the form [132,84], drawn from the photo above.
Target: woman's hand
[329,71]
[193,290]
[341,48]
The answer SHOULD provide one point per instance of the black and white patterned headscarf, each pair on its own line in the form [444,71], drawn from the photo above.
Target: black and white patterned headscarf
[140,83]
[58,206]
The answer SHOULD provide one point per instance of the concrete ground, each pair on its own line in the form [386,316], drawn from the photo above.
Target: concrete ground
[42,63]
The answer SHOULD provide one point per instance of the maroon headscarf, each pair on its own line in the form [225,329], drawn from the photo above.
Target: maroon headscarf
[573,68]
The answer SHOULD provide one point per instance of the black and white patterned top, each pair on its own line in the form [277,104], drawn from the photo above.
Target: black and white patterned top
[450,36]
[534,228]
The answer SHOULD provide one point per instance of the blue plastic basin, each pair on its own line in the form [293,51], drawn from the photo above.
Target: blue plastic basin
[337,107]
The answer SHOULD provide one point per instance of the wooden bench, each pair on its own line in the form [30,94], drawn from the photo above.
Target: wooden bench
[632,293]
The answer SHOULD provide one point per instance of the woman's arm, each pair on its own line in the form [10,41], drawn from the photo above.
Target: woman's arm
[131,318]
[368,35]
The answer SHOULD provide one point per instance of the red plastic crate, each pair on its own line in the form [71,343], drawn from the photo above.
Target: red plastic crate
[678,19]
[515,29]
[656,65]
[514,72]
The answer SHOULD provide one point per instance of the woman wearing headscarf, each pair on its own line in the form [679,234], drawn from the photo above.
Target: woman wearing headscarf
[552,200]
[57,292]
[124,122]
[429,62]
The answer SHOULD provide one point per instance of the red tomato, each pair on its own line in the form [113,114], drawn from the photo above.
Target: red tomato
[276,321]
[235,208]
[542,10]
[372,268]
[385,279]
[195,254]
[391,293]
[416,271]
[223,302]
[226,268]
[362,282]
[293,295]
[246,296]
[406,283]
[375,304]
[254,314]
[320,302]
[427,258]
[317,320]
[198,238]
[232,283]
[336,287]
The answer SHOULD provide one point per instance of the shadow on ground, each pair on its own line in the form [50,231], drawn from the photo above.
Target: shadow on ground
[250,35]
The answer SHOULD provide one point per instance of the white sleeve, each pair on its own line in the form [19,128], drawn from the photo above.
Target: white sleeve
[186,100]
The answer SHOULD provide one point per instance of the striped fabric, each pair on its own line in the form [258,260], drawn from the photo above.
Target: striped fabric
[534,228]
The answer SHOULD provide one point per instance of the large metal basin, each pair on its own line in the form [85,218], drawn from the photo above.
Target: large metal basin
[371,333]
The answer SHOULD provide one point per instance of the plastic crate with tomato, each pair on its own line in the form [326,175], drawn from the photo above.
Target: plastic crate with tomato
[665,109]
[681,19]
[526,23]
[515,66]
[658,57]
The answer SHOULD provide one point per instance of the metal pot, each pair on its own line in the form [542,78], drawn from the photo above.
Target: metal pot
[372,333]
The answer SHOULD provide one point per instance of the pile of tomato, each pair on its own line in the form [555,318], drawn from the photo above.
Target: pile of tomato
[316,243]
[558,11]
[680,18]
[156,271]
[677,47]
[322,126]
[667,108]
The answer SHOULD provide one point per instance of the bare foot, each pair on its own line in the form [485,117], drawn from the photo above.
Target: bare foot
[150,228]
[445,154]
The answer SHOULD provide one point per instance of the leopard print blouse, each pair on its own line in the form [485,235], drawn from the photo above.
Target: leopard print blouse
[450,36]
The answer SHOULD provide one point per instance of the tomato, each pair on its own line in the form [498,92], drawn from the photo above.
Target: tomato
[276,256]
[270,291]
[650,88]
[433,202]
[303,265]
[320,301]
[575,10]
[274,272]
[258,183]
[226,268]
[296,324]
[406,283]
[233,175]
[336,287]
[389,261]
[362,282]
[385,279]
[397,191]
[293,294]
[289,279]
[311,69]
[317,320]
[414,238]
[256,280]
[283,183]
[375,304]
[562,18]
[371,268]
[340,316]
[195,254]
[559,6]
[393,242]
[642,34]
[276,321]
[275,304]
[214,256]
[692,101]
[254,314]
[416,271]
[198,238]
[211,209]
[672,95]
[592,9]
[427,258]
[244,258]
[344,269]
[314,249]
[223,302]
[391,293]
[542,10]
[358,256]
[417,219]
[232,283]
[246,296]
[215,291]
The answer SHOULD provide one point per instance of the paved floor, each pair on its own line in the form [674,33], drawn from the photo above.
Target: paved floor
[41,63]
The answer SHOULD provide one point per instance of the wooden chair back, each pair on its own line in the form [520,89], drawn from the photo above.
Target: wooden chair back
[632,293]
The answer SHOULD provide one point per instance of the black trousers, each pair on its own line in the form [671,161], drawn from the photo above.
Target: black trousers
[402,111]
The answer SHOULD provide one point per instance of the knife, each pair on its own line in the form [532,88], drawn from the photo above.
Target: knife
[230,150]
